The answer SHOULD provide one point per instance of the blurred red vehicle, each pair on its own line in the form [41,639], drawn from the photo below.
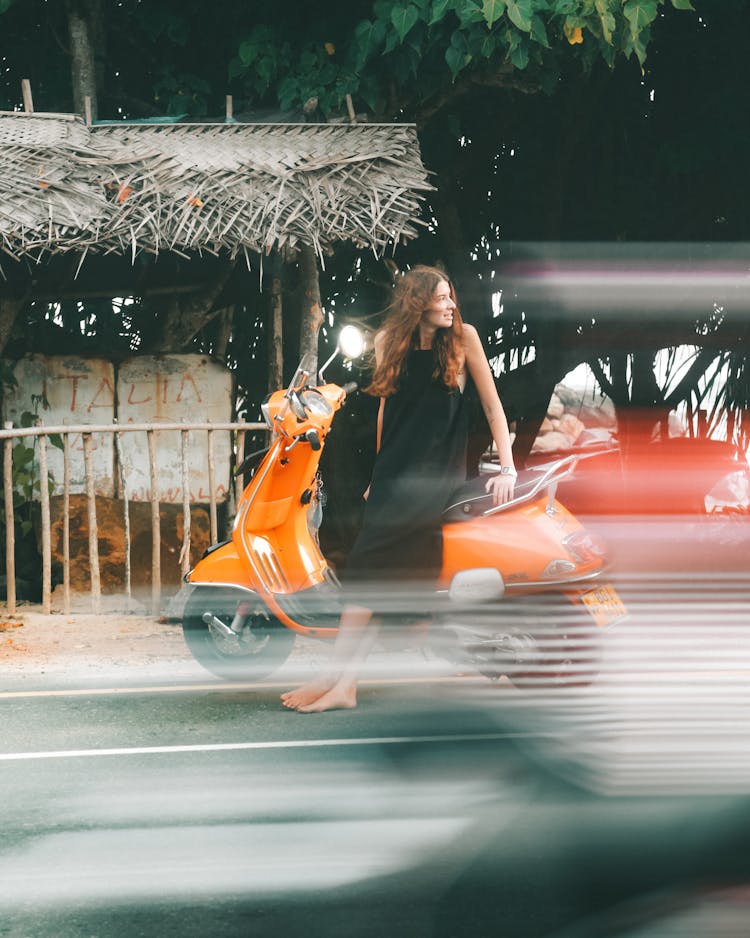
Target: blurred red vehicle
[676,504]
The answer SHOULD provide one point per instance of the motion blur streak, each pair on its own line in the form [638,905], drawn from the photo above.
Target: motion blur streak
[140,840]
[235,859]
[675,280]
[668,708]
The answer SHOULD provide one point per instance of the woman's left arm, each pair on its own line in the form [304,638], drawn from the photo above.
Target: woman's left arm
[500,485]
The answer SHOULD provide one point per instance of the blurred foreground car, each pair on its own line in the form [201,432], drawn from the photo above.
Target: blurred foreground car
[674,504]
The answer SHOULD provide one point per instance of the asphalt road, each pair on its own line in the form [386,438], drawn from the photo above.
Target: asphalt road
[159,801]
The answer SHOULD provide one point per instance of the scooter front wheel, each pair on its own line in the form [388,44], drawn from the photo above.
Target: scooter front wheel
[233,636]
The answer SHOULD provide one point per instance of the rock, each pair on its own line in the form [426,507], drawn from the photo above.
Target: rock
[551,442]
[556,407]
[571,426]
[546,426]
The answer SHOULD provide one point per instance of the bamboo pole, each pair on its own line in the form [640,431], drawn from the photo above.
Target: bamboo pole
[155,526]
[212,489]
[238,486]
[186,521]
[46,533]
[126,515]
[10,524]
[66,524]
[312,312]
[11,432]
[275,323]
[28,100]
[350,109]
[96,586]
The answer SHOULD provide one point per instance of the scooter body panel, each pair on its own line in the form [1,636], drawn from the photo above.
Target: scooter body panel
[221,566]
[521,544]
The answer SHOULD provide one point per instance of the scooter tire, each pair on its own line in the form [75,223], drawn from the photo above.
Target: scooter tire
[250,658]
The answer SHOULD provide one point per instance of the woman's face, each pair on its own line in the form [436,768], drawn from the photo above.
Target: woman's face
[439,311]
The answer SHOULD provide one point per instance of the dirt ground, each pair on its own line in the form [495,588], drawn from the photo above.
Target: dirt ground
[33,642]
[119,644]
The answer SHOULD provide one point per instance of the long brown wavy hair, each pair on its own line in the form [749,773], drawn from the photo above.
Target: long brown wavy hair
[400,331]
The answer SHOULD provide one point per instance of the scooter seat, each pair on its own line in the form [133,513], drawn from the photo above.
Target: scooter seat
[470,500]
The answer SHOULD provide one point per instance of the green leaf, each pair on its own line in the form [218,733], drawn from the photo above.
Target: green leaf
[682,5]
[265,67]
[248,52]
[369,38]
[492,10]
[519,56]
[457,54]
[639,14]
[57,441]
[607,20]
[439,9]
[403,18]
[469,12]
[520,13]
[487,46]
[539,31]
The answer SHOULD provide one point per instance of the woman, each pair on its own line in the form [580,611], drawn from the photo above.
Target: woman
[422,355]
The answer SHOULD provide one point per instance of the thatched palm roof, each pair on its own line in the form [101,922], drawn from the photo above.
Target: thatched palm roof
[66,186]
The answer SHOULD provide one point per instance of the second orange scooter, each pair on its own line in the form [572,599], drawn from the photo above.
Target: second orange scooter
[522,591]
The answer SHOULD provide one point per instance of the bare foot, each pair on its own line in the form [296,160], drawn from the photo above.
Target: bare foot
[307,693]
[337,698]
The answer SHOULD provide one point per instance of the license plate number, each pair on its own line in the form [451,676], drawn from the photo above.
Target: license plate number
[604,605]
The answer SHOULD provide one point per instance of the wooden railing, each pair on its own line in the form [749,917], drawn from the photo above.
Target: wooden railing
[42,433]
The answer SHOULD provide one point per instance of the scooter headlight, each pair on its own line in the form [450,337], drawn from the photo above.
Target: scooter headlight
[585,547]
[556,569]
[315,403]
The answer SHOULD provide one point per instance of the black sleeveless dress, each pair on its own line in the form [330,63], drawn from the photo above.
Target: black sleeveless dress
[422,459]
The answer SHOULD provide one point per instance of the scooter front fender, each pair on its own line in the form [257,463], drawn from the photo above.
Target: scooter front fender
[221,565]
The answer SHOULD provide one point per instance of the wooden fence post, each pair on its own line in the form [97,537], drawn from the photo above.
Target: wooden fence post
[155,527]
[46,535]
[10,524]
[96,584]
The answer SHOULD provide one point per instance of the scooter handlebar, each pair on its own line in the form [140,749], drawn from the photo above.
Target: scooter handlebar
[349,387]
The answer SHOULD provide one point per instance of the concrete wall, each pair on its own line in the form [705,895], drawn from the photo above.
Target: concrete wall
[147,389]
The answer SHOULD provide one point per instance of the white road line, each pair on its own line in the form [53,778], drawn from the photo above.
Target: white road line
[235,747]
[187,688]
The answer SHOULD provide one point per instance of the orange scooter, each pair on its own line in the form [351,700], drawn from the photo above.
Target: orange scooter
[519,594]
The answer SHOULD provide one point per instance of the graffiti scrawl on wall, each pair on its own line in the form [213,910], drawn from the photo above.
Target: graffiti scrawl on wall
[68,391]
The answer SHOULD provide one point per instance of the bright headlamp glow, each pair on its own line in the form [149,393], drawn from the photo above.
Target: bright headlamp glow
[351,342]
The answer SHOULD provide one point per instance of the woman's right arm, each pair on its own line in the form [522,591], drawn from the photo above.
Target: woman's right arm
[378,343]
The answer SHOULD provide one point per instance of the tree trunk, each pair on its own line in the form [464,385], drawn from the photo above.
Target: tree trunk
[85,31]
[312,312]
[186,316]
[9,310]
[275,326]
[224,332]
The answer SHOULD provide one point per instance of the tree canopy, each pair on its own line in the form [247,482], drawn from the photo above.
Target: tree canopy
[395,58]
[543,121]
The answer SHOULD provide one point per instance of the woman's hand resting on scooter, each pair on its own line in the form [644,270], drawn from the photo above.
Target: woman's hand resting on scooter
[500,486]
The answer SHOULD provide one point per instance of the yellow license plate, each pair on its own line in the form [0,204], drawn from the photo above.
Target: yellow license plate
[604,605]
